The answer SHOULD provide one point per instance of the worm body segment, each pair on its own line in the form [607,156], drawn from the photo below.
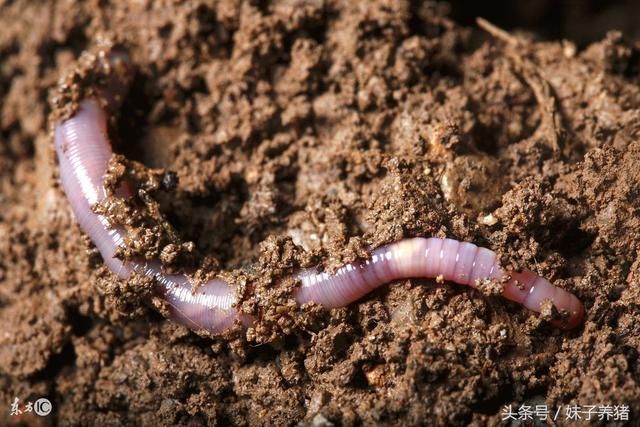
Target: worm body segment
[83,151]
[459,262]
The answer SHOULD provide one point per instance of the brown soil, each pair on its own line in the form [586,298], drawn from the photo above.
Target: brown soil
[305,132]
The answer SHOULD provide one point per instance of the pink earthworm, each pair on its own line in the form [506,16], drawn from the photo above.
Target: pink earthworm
[84,150]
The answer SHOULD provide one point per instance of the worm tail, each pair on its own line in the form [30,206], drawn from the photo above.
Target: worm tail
[460,262]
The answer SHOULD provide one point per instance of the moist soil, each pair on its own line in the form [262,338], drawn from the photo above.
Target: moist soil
[262,138]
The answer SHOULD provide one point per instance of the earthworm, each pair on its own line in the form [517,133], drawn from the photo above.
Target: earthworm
[83,151]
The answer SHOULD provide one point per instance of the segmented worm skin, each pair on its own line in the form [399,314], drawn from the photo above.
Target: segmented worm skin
[459,262]
[84,150]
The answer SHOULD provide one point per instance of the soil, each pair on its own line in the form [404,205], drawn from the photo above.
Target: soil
[267,137]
